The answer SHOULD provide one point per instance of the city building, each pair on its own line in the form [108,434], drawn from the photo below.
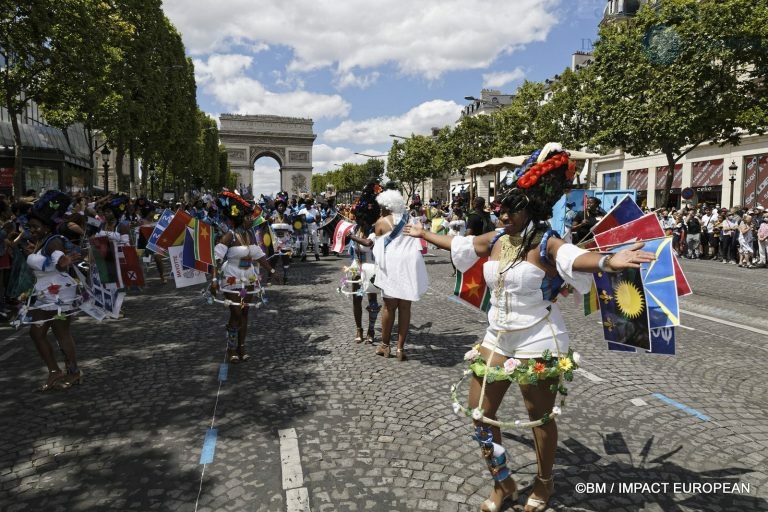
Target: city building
[55,158]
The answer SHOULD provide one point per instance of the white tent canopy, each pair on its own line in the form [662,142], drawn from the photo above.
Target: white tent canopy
[495,164]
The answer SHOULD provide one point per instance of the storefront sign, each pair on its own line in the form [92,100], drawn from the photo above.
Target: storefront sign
[6,177]
[707,173]
[756,180]
[638,179]
[661,177]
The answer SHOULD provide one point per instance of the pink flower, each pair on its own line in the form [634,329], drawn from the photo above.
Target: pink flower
[511,364]
[54,289]
[471,355]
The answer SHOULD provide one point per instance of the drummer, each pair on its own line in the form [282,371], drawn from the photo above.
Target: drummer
[312,216]
[281,225]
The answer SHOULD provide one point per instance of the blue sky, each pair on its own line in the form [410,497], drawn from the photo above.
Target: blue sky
[363,69]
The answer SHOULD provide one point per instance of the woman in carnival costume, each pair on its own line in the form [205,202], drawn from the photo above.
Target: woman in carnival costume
[116,227]
[146,211]
[234,273]
[55,295]
[281,223]
[526,341]
[400,270]
[366,212]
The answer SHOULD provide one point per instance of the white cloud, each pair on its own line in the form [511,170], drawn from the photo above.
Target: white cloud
[419,120]
[224,78]
[498,80]
[426,38]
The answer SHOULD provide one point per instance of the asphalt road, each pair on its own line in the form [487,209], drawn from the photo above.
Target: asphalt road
[316,422]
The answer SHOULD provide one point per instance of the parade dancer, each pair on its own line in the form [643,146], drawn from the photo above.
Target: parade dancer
[526,341]
[366,211]
[282,226]
[312,216]
[235,272]
[55,295]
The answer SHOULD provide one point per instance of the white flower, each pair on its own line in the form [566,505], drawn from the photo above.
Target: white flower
[467,372]
[477,414]
[510,364]
[556,411]
[456,409]
[576,357]
[471,355]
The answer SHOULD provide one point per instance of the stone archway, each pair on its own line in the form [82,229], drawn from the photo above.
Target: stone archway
[286,139]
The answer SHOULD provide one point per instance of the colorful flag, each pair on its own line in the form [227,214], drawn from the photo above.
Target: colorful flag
[130,266]
[623,307]
[644,228]
[183,276]
[203,237]
[660,286]
[662,342]
[471,287]
[162,223]
[590,301]
[188,258]
[343,228]
[624,211]
[173,234]
[104,257]
[264,237]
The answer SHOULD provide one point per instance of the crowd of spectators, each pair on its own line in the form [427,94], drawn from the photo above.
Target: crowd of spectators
[736,236]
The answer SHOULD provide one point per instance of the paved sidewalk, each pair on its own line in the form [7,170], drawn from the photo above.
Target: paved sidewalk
[372,433]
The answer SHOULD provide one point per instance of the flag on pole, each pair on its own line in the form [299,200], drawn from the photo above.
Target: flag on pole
[174,233]
[624,211]
[162,223]
[188,258]
[471,287]
[203,238]
[130,266]
[343,228]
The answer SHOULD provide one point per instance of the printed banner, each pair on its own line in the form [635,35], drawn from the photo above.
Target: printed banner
[183,276]
[105,259]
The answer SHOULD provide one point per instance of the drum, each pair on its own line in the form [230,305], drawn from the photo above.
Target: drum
[328,226]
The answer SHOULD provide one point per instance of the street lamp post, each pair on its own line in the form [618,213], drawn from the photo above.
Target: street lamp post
[105,156]
[398,136]
[732,172]
[371,156]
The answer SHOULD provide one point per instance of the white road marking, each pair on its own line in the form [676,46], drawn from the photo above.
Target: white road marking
[638,402]
[725,322]
[296,495]
[590,376]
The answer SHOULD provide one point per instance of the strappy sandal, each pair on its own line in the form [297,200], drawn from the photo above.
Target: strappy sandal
[383,350]
[400,354]
[55,381]
[537,504]
[359,335]
[370,337]
[490,506]
[241,353]
[72,379]
[232,357]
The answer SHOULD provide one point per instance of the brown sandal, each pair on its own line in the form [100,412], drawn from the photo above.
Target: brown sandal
[383,350]
[56,380]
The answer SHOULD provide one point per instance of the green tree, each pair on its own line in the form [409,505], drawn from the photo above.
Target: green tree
[566,117]
[413,161]
[25,51]
[666,81]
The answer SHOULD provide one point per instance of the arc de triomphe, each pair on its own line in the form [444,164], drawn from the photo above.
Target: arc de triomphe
[286,139]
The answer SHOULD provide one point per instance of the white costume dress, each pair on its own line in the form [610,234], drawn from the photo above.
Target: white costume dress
[522,323]
[239,265]
[53,288]
[400,269]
